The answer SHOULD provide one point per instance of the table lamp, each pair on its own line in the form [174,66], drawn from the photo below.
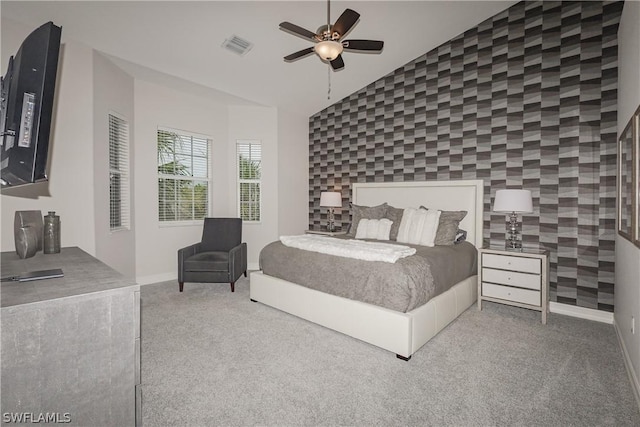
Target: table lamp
[513,202]
[331,200]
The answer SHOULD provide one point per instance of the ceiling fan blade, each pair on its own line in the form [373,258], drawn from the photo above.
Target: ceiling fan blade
[299,54]
[346,21]
[299,31]
[337,64]
[368,45]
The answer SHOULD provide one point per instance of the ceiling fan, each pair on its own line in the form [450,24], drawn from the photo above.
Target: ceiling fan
[328,39]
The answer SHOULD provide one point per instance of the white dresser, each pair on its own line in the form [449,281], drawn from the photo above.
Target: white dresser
[70,345]
[520,279]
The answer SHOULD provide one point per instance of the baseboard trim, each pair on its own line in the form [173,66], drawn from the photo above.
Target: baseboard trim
[581,312]
[635,384]
[156,278]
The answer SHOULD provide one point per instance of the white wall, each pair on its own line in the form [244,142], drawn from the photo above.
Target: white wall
[70,186]
[90,86]
[627,281]
[156,244]
[293,173]
[112,93]
[257,123]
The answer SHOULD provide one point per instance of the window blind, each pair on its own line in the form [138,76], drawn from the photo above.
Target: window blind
[119,200]
[183,176]
[249,180]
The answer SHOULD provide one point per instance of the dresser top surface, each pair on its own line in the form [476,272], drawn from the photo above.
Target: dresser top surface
[83,274]
[526,251]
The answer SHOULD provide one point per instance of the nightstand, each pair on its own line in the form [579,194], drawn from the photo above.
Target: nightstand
[324,232]
[520,279]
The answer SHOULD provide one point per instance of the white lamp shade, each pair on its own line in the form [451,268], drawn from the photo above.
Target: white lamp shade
[513,201]
[331,199]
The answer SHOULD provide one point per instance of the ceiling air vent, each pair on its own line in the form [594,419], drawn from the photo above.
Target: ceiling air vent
[237,45]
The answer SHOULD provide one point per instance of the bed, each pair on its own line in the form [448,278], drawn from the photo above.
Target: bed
[402,333]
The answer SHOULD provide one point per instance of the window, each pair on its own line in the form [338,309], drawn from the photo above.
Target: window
[249,174]
[183,176]
[118,173]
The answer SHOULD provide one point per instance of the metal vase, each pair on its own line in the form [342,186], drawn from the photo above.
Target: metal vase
[25,219]
[26,240]
[51,233]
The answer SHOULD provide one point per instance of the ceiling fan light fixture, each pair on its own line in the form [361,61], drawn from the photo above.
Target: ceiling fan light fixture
[328,49]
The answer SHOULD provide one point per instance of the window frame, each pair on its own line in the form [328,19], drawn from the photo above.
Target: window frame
[240,181]
[208,179]
[122,171]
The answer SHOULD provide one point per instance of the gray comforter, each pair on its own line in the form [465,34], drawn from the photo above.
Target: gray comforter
[402,286]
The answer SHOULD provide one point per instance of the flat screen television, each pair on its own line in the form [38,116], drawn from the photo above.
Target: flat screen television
[27,93]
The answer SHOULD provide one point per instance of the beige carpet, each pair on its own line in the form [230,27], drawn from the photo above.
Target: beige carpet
[212,357]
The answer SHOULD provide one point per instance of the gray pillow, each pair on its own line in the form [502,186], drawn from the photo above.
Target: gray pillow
[448,226]
[395,215]
[368,212]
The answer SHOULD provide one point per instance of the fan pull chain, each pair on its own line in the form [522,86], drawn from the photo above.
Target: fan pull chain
[329,33]
[329,81]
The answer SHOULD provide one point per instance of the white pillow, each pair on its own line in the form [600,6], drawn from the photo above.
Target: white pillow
[384,229]
[403,231]
[430,228]
[416,226]
[378,229]
[419,226]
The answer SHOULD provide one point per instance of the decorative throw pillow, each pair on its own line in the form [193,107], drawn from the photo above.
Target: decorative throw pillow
[405,223]
[419,226]
[395,215]
[367,212]
[416,225]
[374,229]
[448,226]
[430,227]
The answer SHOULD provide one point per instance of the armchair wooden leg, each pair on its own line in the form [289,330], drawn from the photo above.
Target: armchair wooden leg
[245,273]
[181,284]
[233,286]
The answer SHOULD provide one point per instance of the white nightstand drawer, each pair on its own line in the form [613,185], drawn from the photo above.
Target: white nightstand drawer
[508,293]
[512,278]
[516,263]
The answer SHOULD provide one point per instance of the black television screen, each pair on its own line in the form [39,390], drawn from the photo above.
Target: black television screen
[27,93]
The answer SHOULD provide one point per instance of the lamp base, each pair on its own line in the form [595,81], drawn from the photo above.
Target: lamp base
[331,225]
[513,241]
[513,246]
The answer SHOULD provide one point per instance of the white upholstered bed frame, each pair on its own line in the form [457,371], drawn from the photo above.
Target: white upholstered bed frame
[400,333]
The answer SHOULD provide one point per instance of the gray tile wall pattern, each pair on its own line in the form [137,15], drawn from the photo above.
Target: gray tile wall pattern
[527,99]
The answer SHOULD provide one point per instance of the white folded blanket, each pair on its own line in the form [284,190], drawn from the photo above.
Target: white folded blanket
[358,249]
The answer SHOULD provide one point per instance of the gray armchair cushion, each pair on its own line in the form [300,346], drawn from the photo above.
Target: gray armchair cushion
[221,234]
[208,261]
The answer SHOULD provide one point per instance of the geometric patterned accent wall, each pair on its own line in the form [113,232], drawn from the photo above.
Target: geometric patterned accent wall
[527,99]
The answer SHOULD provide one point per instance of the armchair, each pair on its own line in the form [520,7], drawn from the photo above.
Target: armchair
[219,257]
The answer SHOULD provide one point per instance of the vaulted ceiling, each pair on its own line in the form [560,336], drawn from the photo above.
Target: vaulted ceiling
[183,40]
